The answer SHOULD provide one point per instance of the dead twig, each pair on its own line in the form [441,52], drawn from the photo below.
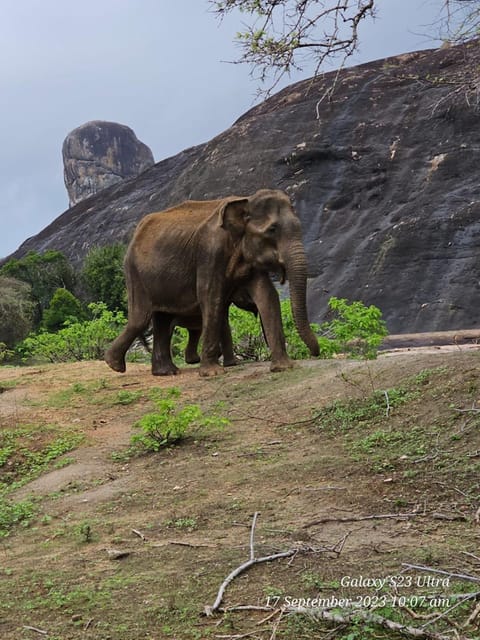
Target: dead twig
[88,624]
[450,574]
[237,636]
[399,516]
[139,534]
[475,454]
[473,616]
[471,555]
[276,625]
[252,534]
[36,630]
[449,610]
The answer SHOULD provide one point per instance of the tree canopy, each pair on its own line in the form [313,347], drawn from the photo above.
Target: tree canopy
[44,272]
[281,35]
[102,274]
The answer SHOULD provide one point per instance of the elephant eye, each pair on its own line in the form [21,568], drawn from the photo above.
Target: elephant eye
[272,229]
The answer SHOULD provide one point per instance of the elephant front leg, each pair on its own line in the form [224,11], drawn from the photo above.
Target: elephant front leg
[162,363]
[266,298]
[229,359]
[212,315]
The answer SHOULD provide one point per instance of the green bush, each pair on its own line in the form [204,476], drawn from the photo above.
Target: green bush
[247,335]
[85,340]
[103,276]
[169,425]
[355,330]
[64,307]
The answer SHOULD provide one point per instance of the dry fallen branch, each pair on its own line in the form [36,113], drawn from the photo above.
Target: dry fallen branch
[399,516]
[139,534]
[360,615]
[209,610]
[36,630]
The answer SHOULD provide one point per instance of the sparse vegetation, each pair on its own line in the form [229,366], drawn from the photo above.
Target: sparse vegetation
[169,424]
[182,517]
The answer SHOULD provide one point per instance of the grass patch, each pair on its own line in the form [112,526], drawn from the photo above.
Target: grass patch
[25,453]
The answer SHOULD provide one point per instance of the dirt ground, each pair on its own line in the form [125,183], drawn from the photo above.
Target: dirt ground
[127,546]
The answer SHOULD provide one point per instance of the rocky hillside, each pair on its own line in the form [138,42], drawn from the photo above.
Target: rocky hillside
[383,176]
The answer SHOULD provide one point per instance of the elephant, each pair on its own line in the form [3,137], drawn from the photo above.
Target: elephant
[190,260]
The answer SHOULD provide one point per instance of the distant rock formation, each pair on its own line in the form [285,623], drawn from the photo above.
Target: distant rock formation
[98,154]
[383,177]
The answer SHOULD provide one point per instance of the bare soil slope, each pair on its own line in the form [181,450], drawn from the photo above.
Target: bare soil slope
[361,467]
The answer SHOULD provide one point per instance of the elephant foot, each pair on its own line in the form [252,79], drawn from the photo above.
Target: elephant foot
[117,364]
[210,370]
[192,357]
[165,370]
[281,365]
[230,362]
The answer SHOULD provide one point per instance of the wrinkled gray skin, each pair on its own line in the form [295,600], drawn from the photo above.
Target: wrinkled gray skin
[189,261]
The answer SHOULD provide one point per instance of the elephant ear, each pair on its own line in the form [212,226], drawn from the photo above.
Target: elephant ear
[233,215]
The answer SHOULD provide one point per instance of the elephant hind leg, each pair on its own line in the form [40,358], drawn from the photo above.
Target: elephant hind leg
[115,354]
[138,320]
[191,351]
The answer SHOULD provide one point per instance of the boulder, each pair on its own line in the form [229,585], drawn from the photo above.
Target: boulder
[99,154]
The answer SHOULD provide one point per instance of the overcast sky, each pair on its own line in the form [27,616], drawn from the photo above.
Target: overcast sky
[157,66]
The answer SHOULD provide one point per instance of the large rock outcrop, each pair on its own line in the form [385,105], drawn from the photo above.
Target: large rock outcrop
[383,177]
[99,154]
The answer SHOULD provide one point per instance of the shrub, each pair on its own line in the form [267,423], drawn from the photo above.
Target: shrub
[356,330]
[169,425]
[64,307]
[103,276]
[45,273]
[247,335]
[16,312]
[85,340]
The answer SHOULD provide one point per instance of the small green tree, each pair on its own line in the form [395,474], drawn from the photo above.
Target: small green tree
[16,311]
[356,329]
[170,424]
[103,276]
[64,307]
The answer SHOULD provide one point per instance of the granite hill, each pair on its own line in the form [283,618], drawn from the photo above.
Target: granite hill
[382,173]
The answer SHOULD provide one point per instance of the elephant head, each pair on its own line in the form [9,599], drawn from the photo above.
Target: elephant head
[268,236]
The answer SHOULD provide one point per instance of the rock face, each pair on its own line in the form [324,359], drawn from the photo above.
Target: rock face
[99,154]
[383,177]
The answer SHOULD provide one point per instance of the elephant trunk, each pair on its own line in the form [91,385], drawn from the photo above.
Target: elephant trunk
[296,268]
